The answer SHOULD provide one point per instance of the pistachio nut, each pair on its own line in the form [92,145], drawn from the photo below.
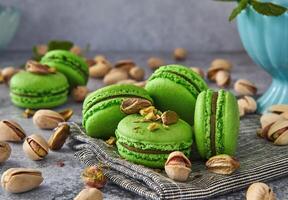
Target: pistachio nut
[11,131]
[223,78]
[241,110]
[147,110]
[28,113]
[7,73]
[178,166]
[218,65]
[100,69]
[41,49]
[79,93]
[90,62]
[111,141]
[155,62]
[198,70]
[180,54]
[115,76]
[278,108]
[1,78]
[169,117]
[127,81]
[269,118]
[278,132]
[89,194]
[260,191]
[66,114]
[35,147]
[245,87]
[222,164]
[137,73]
[17,180]
[93,176]
[47,119]
[100,58]
[76,50]
[248,104]
[37,68]
[153,126]
[5,151]
[125,65]
[134,105]
[58,138]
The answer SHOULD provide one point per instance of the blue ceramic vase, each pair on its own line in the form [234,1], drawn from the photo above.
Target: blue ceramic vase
[265,38]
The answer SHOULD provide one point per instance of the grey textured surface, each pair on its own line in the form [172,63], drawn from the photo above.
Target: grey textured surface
[198,25]
[64,182]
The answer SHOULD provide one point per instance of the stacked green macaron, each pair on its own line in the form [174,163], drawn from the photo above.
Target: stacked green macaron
[138,144]
[72,66]
[31,90]
[216,123]
[101,109]
[175,87]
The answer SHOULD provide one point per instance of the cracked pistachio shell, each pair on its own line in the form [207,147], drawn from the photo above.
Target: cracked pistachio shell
[5,151]
[47,119]
[178,166]
[36,150]
[11,131]
[17,180]
[279,127]
[89,194]
[260,191]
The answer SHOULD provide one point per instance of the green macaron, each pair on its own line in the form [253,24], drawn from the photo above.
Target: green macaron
[30,90]
[72,66]
[175,87]
[216,123]
[101,109]
[151,148]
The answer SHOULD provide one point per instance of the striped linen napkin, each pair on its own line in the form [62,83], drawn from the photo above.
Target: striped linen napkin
[260,161]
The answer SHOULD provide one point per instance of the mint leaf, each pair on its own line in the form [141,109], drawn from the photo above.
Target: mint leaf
[57,44]
[241,6]
[267,8]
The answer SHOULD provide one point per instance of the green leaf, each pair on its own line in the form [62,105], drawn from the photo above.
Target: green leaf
[36,56]
[267,8]
[58,44]
[241,6]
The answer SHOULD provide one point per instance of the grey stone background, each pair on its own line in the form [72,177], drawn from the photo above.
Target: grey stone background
[128,25]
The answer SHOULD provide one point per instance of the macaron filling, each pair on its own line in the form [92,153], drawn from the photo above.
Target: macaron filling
[213,123]
[146,151]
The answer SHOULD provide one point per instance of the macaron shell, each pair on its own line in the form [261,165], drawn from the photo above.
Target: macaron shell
[101,109]
[163,92]
[200,125]
[101,124]
[176,88]
[231,123]
[114,91]
[39,102]
[36,85]
[135,133]
[150,160]
[76,75]
[36,91]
